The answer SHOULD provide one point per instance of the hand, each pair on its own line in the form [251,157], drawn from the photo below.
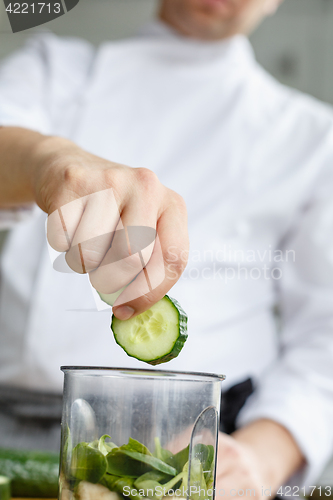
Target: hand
[238,470]
[259,457]
[88,198]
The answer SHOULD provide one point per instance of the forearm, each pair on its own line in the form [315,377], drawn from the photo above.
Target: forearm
[272,446]
[21,152]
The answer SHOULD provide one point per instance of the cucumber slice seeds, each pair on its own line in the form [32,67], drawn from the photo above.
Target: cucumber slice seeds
[155,336]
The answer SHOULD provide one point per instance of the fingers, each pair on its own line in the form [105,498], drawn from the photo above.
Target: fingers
[237,484]
[131,248]
[62,224]
[181,441]
[147,283]
[94,233]
[117,252]
[165,266]
[228,453]
[236,470]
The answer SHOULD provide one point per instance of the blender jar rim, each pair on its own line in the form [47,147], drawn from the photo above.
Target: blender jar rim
[142,371]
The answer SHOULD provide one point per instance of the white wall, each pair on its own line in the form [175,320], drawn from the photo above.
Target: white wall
[296,46]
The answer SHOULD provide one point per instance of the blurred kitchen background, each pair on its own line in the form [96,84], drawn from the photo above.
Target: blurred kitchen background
[295,45]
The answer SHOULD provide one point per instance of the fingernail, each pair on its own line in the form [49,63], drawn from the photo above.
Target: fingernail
[124,312]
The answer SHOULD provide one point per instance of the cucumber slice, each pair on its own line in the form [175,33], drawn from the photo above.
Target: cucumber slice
[5,490]
[155,336]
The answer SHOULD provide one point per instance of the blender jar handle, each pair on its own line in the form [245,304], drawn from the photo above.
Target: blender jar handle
[202,456]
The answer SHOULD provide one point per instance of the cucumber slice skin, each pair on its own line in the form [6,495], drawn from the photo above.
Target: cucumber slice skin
[177,346]
[33,473]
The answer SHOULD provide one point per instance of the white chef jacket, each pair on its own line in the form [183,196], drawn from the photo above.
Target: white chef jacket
[253,161]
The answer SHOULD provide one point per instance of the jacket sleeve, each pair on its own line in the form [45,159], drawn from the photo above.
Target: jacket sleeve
[297,391]
[24,87]
[36,84]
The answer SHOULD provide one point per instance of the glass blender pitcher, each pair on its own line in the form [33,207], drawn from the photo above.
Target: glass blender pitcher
[138,434]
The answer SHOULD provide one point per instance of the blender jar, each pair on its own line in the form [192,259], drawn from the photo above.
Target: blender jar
[138,434]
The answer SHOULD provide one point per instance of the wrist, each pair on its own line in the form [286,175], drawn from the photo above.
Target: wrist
[48,156]
[26,159]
